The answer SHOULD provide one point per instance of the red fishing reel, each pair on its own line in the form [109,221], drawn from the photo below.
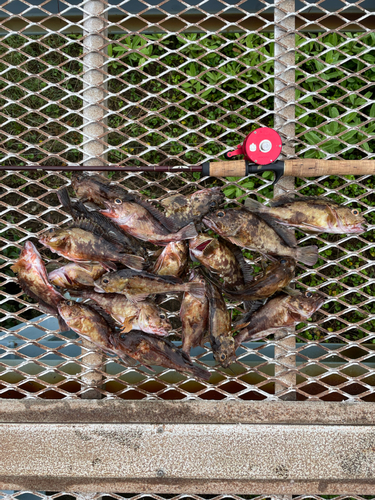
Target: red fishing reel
[261,146]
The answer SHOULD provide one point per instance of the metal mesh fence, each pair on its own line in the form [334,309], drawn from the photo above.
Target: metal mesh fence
[180,83]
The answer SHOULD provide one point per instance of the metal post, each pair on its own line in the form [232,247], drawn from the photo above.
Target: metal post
[285,125]
[94,128]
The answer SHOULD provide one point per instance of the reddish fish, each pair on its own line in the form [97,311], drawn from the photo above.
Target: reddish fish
[32,277]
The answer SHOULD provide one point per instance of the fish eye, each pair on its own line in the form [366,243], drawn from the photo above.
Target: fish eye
[283,261]
[213,204]
[118,201]
[105,280]
[308,294]
[222,357]
[162,316]
[58,287]
[69,303]
[51,230]
[355,212]
[220,213]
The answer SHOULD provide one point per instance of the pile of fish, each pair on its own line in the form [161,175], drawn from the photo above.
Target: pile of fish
[117,273]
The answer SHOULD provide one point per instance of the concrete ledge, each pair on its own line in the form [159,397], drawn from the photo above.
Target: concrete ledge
[209,412]
[189,458]
[188,447]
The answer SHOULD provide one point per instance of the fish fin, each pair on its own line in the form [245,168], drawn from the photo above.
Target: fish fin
[133,261]
[255,206]
[245,319]
[65,200]
[308,255]
[247,270]
[127,324]
[109,266]
[62,325]
[159,216]
[138,297]
[197,290]
[285,234]
[289,198]
[89,225]
[291,291]
[187,232]
[201,373]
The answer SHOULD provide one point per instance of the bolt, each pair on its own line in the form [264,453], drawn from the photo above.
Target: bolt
[160,430]
[160,473]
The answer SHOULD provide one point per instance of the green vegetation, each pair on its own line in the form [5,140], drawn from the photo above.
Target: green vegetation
[187,98]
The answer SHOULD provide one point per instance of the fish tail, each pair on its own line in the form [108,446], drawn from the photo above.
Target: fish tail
[198,290]
[307,255]
[255,206]
[187,232]
[201,373]
[133,261]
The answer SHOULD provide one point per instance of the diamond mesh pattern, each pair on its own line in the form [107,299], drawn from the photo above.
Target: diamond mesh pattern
[193,81]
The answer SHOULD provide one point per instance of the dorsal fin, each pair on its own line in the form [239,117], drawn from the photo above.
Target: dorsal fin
[289,198]
[88,225]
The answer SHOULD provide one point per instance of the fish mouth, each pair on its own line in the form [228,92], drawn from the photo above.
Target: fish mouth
[357,228]
[202,246]
[98,289]
[209,223]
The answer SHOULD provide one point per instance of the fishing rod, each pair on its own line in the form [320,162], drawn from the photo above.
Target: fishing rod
[260,149]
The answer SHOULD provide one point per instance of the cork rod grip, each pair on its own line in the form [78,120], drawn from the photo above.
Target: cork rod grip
[309,167]
[228,168]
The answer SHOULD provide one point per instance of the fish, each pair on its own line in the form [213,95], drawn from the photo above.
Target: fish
[84,242]
[311,214]
[219,327]
[110,231]
[87,322]
[194,317]
[98,189]
[32,278]
[75,276]
[281,311]
[152,350]
[173,260]
[137,285]
[219,258]
[183,209]
[137,221]
[247,230]
[276,277]
[145,316]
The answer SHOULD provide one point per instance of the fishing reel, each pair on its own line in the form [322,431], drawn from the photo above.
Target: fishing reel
[262,147]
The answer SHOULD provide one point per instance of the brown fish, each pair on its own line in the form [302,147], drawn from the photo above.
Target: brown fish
[247,230]
[277,276]
[194,317]
[87,322]
[98,189]
[183,209]
[81,244]
[217,256]
[139,285]
[282,311]
[138,222]
[221,338]
[173,260]
[110,231]
[75,276]
[151,350]
[145,316]
[32,277]
[311,214]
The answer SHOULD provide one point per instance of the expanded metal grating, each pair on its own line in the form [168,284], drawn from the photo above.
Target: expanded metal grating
[179,83]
